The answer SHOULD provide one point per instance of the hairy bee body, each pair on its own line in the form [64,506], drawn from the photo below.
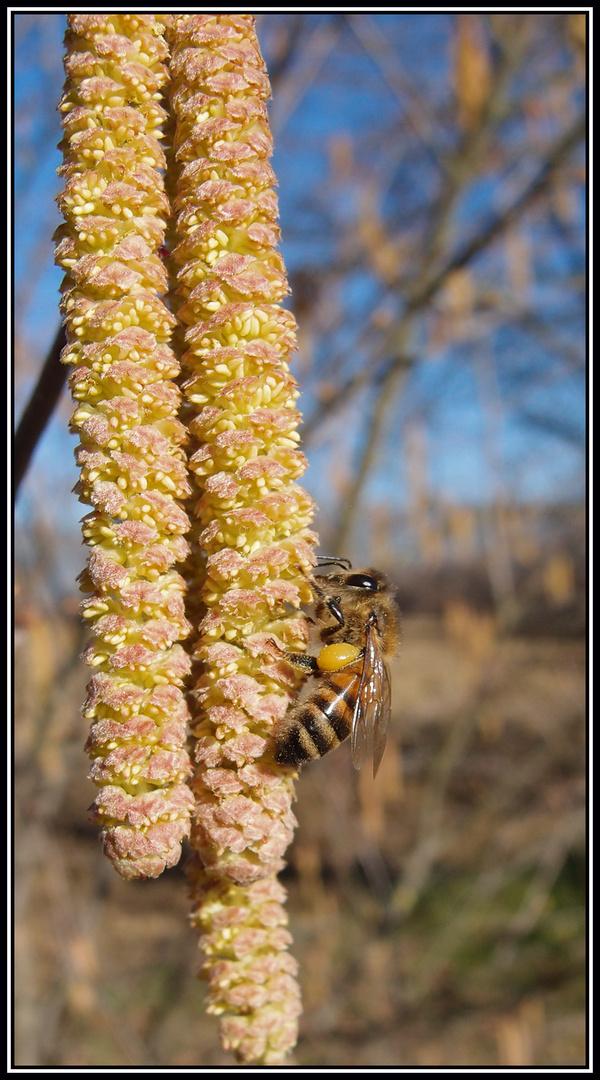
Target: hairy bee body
[324,720]
[348,689]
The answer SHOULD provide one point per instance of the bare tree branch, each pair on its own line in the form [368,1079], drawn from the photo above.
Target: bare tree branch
[386,396]
[39,409]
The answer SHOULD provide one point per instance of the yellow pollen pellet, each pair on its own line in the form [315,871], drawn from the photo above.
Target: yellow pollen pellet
[339,655]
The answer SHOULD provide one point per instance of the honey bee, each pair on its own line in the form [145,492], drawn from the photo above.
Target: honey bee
[351,692]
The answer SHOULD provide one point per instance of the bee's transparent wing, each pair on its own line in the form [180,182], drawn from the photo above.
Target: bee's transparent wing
[373,705]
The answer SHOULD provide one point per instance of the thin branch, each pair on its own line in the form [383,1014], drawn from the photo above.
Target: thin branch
[461,166]
[39,409]
[299,79]
[366,377]
[571,356]
[280,61]
[560,427]
[415,108]
[390,383]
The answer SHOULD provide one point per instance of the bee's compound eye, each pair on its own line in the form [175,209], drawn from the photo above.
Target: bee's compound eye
[362,581]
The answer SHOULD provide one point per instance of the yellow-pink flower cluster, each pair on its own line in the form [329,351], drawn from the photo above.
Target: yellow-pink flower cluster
[133,469]
[254,518]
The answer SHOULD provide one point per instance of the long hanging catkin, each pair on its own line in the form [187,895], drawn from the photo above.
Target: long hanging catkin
[133,469]
[253,520]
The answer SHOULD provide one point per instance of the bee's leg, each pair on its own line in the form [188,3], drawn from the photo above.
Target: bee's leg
[302,660]
[335,610]
[332,604]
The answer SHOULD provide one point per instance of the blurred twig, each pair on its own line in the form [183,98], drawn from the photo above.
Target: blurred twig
[562,427]
[386,396]
[414,106]
[431,834]
[298,79]
[281,58]
[573,357]
[462,164]
[39,409]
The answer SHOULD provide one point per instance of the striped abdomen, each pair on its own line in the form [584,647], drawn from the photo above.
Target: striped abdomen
[323,720]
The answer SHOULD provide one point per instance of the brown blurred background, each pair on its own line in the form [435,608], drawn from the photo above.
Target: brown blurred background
[433,216]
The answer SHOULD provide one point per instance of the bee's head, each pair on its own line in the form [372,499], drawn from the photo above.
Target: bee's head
[363,581]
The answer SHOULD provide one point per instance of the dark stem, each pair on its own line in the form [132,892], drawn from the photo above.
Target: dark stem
[39,409]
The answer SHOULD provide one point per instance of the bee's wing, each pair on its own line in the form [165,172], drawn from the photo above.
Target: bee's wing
[373,703]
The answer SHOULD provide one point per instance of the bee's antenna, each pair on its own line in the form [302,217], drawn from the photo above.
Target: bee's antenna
[324,560]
